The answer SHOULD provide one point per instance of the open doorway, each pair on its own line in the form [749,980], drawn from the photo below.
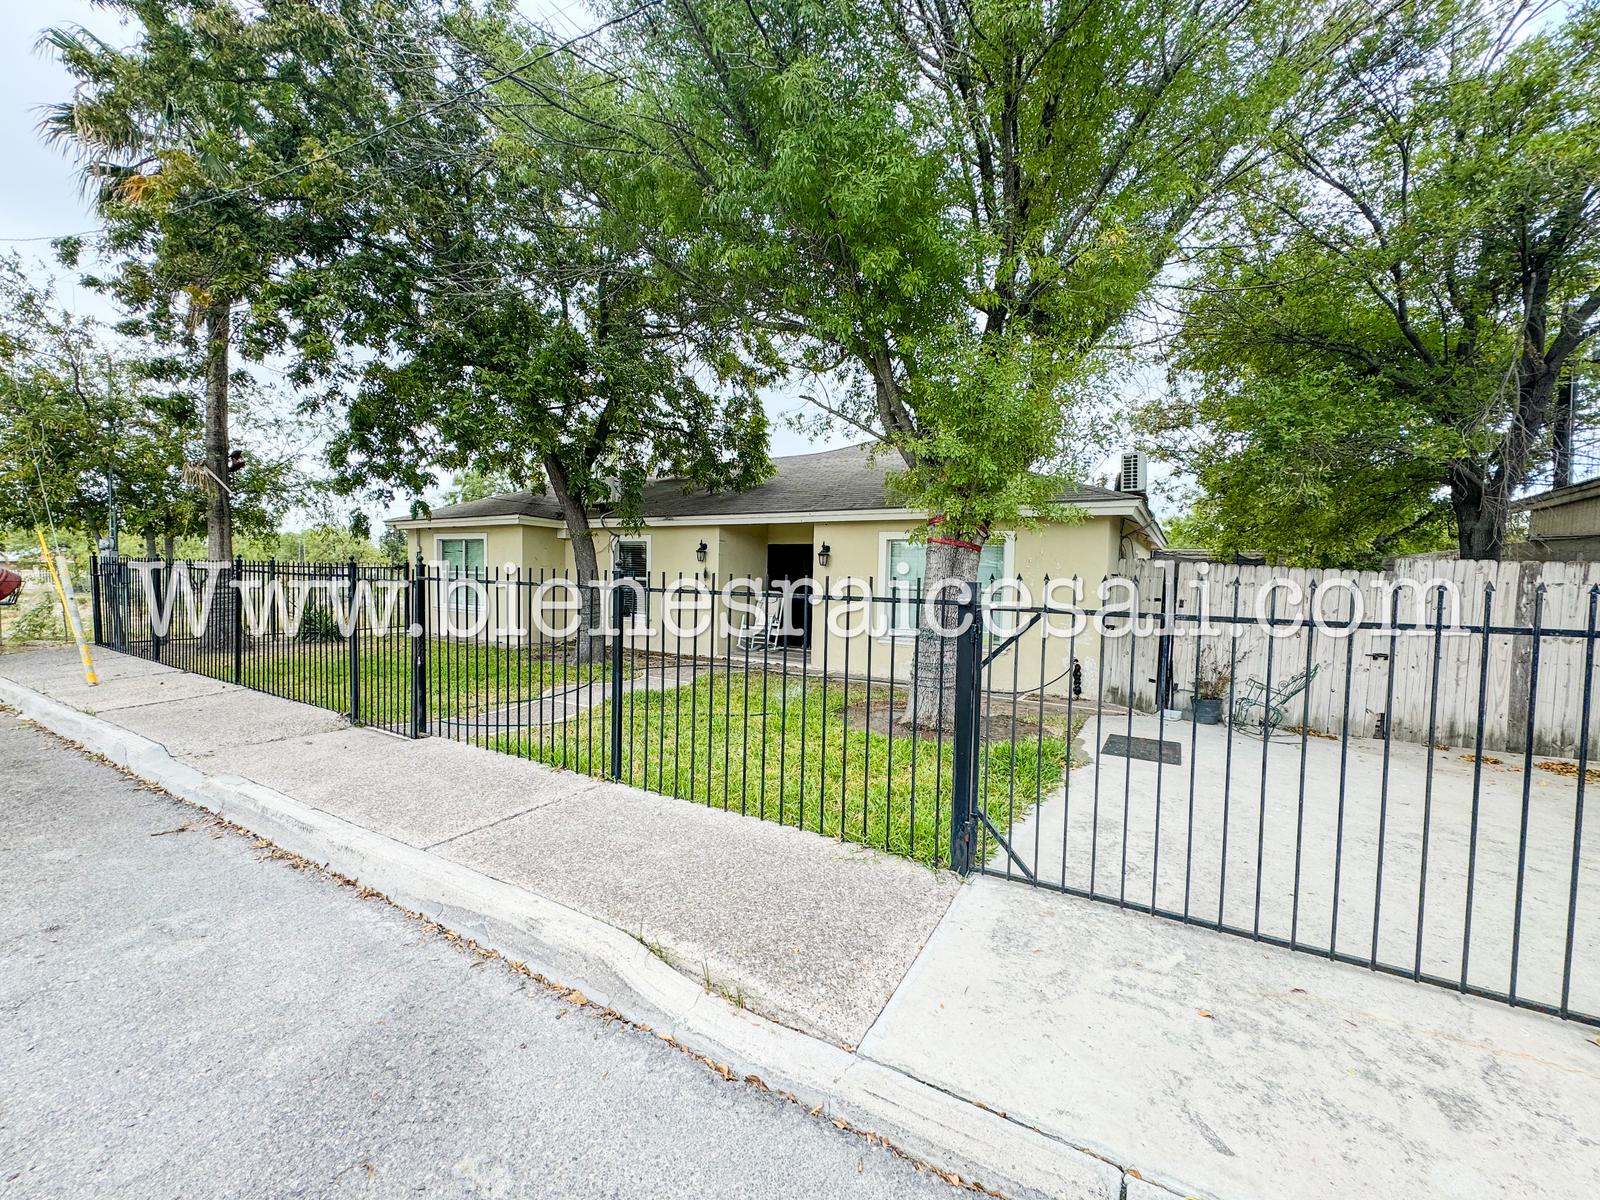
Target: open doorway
[792,561]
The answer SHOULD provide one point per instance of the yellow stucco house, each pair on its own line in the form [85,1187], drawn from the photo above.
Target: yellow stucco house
[825,516]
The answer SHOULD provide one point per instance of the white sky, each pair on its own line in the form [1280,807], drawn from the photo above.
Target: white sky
[39,196]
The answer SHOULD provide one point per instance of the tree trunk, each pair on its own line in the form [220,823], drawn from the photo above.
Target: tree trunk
[168,548]
[1480,514]
[150,544]
[1561,434]
[591,643]
[931,700]
[219,505]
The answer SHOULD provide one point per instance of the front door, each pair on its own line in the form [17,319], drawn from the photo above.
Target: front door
[792,561]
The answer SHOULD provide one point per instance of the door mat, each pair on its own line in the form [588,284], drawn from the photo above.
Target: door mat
[1119,745]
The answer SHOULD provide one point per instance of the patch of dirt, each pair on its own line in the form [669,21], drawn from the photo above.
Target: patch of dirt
[997,726]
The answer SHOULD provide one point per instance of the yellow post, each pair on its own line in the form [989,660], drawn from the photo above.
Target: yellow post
[68,609]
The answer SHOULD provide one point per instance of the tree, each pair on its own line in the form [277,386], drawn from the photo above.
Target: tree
[84,427]
[943,212]
[474,484]
[198,144]
[1317,470]
[490,316]
[1379,339]
[392,546]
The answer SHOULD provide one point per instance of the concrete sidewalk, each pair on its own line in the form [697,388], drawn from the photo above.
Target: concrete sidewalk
[1223,1067]
[1044,1044]
[810,932]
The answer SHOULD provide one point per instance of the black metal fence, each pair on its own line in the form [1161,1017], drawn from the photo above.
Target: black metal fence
[287,628]
[1441,861]
[795,706]
[1005,753]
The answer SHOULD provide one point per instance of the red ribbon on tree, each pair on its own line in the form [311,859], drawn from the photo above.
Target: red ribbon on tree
[958,542]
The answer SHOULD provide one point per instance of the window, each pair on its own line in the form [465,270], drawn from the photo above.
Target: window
[903,563]
[463,558]
[631,560]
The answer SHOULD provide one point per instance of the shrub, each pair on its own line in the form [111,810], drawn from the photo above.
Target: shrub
[317,624]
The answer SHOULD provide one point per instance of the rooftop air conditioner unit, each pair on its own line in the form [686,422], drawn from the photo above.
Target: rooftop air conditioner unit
[1135,473]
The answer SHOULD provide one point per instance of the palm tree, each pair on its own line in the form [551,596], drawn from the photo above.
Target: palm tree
[142,125]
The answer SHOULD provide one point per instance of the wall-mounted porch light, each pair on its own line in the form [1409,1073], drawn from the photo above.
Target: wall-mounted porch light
[824,552]
[700,551]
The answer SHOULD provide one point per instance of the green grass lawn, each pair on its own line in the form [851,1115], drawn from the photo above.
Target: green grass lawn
[781,752]
[463,677]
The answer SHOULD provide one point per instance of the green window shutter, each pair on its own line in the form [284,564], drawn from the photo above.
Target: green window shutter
[453,552]
[463,557]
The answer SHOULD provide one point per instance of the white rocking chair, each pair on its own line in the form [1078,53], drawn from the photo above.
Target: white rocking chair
[762,630]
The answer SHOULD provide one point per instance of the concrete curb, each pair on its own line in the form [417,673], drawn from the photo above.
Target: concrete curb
[615,971]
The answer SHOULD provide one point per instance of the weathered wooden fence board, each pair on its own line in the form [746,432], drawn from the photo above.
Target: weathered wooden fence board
[1362,662]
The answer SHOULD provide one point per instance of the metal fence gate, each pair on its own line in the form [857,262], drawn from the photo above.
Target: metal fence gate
[1444,862]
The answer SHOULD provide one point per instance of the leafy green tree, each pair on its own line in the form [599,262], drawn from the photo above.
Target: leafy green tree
[320,543]
[392,546]
[1378,342]
[474,484]
[939,212]
[85,427]
[1314,470]
[481,312]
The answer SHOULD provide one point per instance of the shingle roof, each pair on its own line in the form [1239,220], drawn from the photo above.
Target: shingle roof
[512,504]
[847,480]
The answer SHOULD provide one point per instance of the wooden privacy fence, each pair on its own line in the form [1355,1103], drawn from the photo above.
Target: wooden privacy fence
[1512,631]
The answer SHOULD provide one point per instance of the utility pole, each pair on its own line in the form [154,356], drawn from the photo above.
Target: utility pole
[111,511]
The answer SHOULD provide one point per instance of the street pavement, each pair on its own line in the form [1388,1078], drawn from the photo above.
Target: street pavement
[183,1015]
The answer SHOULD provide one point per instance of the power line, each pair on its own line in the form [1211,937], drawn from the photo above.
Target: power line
[51,237]
[427,110]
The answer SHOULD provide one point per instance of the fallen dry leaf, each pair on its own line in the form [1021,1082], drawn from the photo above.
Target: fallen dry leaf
[1206,1013]
[1483,758]
[1568,770]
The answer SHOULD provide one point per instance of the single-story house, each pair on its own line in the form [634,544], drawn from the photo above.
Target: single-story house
[826,516]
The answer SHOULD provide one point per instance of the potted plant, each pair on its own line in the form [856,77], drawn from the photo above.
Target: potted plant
[1210,689]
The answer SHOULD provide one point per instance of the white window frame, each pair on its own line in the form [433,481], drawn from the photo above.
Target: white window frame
[1008,570]
[649,552]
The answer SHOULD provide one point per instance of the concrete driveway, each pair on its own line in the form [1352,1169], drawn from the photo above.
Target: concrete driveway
[1191,834]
